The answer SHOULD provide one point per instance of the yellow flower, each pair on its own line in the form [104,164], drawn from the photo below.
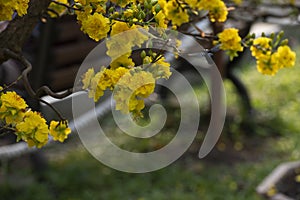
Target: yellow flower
[87,8]
[267,64]
[131,38]
[230,41]
[119,27]
[102,80]
[261,46]
[120,44]
[160,19]
[285,56]
[21,7]
[122,96]
[84,13]
[122,61]
[217,9]
[12,107]
[116,74]
[87,78]
[177,14]
[59,130]
[138,37]
[219,13]
[7,8]
[130,90]
[6,11]
[128,13]
[96,26]
[136,105]
[159,69]
[97,88]
[109,77]
[142,83]
[33,129]
[162,4]
[116,47]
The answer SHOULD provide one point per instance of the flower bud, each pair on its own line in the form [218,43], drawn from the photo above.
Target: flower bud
[143,54]
[142,15]
[111,9]
[154,2]
[130,22]
[157,8]
[284,42]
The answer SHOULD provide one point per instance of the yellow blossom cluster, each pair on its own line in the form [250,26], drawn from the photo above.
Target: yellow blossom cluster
[176,13]
[119,46]
[230,42]
[12,107]
[130,85]
[28,125]
[96,26]
[97,17]
[269,59]
[271,54]
[91,17]
[217,9]
[159,69]
[33,129]
[98,82]
[131,89]
[122,71]
[160,19]
[7,8]
[59,130]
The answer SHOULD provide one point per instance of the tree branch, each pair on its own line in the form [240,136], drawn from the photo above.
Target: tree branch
[20,28]
[28,87]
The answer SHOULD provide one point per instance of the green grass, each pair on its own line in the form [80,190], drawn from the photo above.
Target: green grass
[81,177]
[232,175]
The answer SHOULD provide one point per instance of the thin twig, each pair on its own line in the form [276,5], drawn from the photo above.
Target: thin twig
[28,68]
[53,11]
[67,6]
[46,90]
[11,84]
[28,87]
[201,35]
[126,21]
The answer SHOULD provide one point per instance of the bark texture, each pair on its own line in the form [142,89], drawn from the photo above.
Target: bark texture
[20,28]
